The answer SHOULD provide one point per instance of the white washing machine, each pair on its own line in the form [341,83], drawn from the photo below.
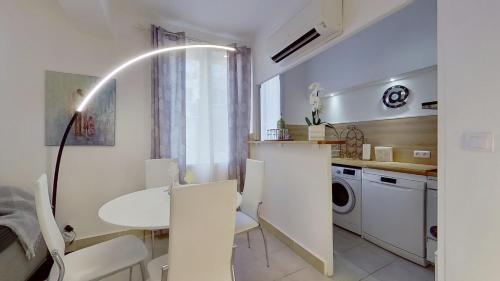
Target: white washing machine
[346,197]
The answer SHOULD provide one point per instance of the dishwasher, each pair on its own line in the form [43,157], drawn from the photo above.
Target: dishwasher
[393,212]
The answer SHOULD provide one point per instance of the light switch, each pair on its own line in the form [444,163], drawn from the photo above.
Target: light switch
[479,141]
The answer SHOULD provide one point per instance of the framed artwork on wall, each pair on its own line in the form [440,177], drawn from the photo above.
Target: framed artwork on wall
[93,126]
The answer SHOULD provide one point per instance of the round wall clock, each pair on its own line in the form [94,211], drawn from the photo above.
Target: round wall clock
[395,96]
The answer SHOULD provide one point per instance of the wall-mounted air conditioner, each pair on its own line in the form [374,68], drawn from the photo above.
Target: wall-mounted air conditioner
[319,22]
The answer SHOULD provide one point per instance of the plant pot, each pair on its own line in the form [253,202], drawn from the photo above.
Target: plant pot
[317,132]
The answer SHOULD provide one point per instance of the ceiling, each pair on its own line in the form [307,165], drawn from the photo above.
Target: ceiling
[238,18]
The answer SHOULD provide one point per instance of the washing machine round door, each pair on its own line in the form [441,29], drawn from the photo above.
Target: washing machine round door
[342,196]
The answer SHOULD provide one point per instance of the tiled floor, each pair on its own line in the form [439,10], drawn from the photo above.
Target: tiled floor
[355,260]
[377,263]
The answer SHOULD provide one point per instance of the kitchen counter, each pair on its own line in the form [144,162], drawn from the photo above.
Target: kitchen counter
[297,142]
[432,174]
[409,168]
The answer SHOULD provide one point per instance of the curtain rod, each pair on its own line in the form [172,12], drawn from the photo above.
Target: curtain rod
[193,39]
[170,32]
[176,34]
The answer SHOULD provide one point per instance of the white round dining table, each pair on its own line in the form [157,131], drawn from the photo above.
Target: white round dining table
[147,209]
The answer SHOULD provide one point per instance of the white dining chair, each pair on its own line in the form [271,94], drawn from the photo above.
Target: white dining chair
[159,173]
[202,219]
[91,263]
[247,218]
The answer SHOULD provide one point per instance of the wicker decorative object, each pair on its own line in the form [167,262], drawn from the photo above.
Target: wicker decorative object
[333,134]
[354,139]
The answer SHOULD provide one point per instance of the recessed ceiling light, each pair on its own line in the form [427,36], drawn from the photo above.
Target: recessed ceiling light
[392,79]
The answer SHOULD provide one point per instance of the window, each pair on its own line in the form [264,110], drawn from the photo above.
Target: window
[270,105]
[207,138]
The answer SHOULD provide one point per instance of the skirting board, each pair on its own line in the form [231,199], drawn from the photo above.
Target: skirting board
[314,261]
[87,242]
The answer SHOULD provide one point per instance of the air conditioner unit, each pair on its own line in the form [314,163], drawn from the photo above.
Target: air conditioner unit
[319,22]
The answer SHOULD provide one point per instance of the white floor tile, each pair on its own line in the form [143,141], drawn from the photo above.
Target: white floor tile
[343,242]
[347,271]
[366,258]
[355,259]
[286,261]
[256,270]
[257,243]
[307,274]
[370,278]
[378,250]
[402,270]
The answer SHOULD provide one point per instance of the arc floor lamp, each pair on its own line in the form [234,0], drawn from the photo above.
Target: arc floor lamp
[99,85]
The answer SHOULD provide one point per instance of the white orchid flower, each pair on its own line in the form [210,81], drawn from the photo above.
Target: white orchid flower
[315,87]
[314,99]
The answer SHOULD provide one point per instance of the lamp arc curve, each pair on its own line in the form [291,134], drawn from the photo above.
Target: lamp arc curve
[110,75]
[100,84]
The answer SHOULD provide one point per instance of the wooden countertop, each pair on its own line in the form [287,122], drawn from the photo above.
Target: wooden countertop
[297,142]
[409,168]
[432,174]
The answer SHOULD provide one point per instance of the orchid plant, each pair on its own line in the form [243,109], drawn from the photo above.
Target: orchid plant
[315,103]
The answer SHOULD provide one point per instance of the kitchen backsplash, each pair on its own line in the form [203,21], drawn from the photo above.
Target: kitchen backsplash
[405,135]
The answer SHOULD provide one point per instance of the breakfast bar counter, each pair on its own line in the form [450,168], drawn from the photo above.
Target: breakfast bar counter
[297,142]
[297,196]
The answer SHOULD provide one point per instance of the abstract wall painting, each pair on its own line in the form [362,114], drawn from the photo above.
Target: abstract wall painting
[94,126]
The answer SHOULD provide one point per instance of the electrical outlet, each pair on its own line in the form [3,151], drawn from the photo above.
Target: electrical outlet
[421,154]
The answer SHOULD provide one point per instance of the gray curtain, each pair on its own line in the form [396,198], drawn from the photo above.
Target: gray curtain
[168,99]
[239,95]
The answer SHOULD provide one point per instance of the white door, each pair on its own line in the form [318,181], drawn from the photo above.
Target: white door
[395,215]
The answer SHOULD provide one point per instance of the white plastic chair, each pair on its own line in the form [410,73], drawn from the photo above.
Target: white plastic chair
[247,219]
[160,172]
[90,263]
[201,234]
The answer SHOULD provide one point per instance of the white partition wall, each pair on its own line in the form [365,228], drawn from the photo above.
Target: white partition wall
[298,195]
[469,99]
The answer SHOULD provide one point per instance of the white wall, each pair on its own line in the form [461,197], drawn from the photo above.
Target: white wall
[358,14]
[294,96]
[469,181]
[297,197]
[400,43]
[364,103]
[36,36]
[39,35]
